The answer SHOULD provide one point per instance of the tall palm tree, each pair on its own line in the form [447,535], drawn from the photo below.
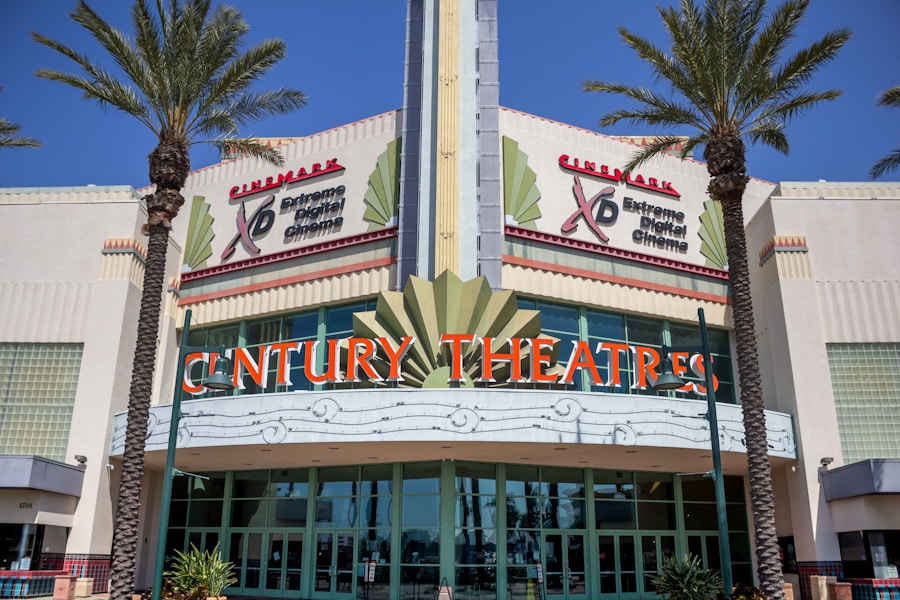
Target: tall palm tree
[188,79]
[728,83]
[9,139]
[891,162]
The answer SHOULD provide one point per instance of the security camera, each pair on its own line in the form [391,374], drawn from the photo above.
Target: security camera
[827,460]
[82,459]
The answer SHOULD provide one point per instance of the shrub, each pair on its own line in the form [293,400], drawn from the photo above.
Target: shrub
[197,570]
[742,591]
[170,593]
[686,579]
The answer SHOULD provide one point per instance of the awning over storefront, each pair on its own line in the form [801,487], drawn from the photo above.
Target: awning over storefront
[38,490]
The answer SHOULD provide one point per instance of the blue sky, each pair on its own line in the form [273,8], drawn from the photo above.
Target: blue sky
[347,55]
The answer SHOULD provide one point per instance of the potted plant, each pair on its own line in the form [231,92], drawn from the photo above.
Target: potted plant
[204,572]
[686,579]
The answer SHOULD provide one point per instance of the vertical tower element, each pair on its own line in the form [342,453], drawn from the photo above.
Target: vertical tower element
[447,174]
[450,172]
[411,150]
[490,209]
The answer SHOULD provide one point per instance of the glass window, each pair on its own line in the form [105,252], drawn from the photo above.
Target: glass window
[37,392]
[376,511]
[291,483]
[288,512]
[700,516]
[213,486]
[420,546]
[375,544]
[248,513]
[606,326]
[654,486]
[656,515]
[377,479]
[476,511]
[644,332]
[522,480]
[301,326]
[263,332]
[557,318]
[250,484]
[475,478]
[205,514]
[614,514]
[617,485]
[421,511]
[424,478]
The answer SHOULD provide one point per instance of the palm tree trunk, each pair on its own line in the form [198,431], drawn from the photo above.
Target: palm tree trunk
[726,158]
[762,500]
[129,504]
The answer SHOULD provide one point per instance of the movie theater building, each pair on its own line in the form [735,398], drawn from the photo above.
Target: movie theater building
[443,326]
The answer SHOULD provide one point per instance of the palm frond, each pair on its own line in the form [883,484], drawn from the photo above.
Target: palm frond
[770,132]
[8,139]
[889,163]
[890,97]
[726,70]
[184,71]
[655,147]
[656,110]
[250,147]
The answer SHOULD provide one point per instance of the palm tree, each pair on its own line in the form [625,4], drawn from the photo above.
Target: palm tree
[9,139]
[890,162]
[188,80]
[729,83]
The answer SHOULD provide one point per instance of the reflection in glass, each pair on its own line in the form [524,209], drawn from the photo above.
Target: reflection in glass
[476,511]
[614,514]
[288,512]
[337,512]
[420,546]
[476,546]
[421,511]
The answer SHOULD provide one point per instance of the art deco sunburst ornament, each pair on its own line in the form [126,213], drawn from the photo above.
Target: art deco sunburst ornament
[425,310]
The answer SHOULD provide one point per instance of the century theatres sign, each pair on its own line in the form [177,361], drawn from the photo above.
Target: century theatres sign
[528,360]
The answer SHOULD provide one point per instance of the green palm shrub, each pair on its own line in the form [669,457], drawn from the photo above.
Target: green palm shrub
[686,579]
[742,591]
[197,570]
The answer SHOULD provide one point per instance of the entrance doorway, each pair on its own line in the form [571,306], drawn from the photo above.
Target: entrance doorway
[335,573]
[565,576]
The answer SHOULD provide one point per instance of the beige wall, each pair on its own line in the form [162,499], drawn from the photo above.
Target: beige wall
[832,276]
[57,286]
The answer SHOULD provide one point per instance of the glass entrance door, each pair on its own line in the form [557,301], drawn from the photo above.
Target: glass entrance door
[335,575]
[618,566]
[565,575]
[246,553]
[282,564]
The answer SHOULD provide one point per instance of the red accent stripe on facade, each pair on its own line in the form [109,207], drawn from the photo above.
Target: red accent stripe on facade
[668,263]
[636,283]
[255,287]
[345,242]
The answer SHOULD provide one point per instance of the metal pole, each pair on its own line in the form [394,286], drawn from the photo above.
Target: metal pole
[721,514]
[169,471]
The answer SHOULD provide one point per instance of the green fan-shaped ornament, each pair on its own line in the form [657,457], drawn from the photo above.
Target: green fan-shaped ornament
[712,235]
[383,196]
[520,192]
[425,310]
[198,246]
